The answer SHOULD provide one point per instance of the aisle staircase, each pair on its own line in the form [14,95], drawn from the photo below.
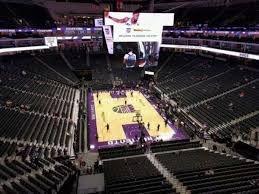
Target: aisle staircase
[170,178]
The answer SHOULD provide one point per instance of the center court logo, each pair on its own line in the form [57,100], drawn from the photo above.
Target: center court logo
[124,109]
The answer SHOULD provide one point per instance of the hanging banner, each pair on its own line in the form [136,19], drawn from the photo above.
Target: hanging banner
[108,38]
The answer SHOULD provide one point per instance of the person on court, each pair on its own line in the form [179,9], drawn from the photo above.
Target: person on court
[158,127]
[148,125]
[107,127]
[125,102]
[97,95]
[131,93]
[99,101]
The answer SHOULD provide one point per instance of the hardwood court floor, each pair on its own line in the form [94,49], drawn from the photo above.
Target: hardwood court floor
[112,111]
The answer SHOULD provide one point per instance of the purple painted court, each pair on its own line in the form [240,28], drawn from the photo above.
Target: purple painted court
[131,130]
[118,94]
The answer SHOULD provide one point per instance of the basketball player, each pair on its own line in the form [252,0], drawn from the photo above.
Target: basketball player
[131,93]
[142,136]
[99,101]
[158,127]
[125,102]
[107,127]
[148,125]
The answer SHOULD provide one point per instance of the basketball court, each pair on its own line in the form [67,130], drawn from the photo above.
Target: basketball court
[122,111]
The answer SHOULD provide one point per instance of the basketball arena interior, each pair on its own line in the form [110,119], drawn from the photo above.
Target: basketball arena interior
[129,96]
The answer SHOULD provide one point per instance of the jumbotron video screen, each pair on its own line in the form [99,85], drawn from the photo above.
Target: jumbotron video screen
[136,36]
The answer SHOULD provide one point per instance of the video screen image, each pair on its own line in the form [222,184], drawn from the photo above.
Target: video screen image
[138,54]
